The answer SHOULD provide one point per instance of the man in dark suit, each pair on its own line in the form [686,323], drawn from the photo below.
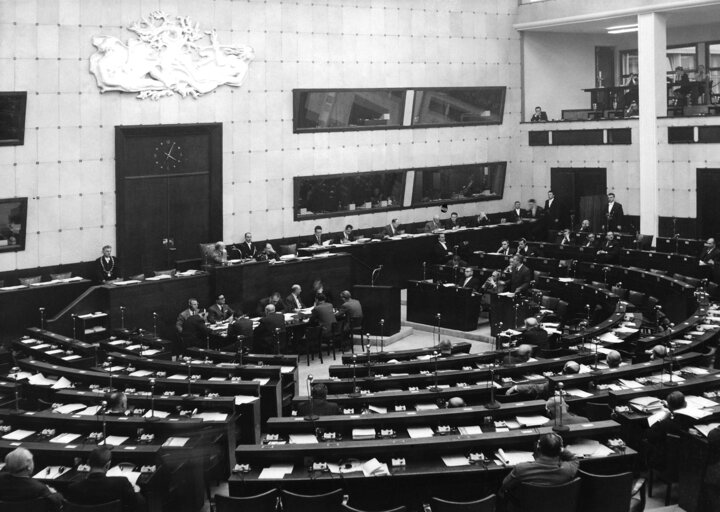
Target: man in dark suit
[392,229]
[552,211]
[504,248]
[610,249]
[520,275]
[17,483]
[552,466]
[671,423]
[482,220]
[615,215]
[106,266]
[240,326]
[317,239]
[292,301]
[247,249]
[441,250]
[273,299]
[453,222]
[565,238]
[192,310]
[521,356]
[710,253]
[350,308]
[517,213]
[539,116]
[590,243]
[523,249]
[323,314]
[99,488]
[264,336]
[219,311]
[195,333]
[557,410]
[533,211]
[434,225]
[320,405]
[534,335]
[469,280]
[346,235]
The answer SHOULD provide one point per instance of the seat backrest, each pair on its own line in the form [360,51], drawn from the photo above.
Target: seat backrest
[347,508]
[486,504]
[30,280]
[170,272]
[35,505]
[562,309]
[265,502]
[620,292]
[356,323]
[605,493]
[599,284]
[61,275]
[636,298]
[329,501]
[288,249]
[111,506]
[205,251]
[672,455]
[597,411]
[548,498]
[549,302]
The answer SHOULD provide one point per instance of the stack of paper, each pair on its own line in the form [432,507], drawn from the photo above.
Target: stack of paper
[18,435]
[589,448]
[425,407]
[69,408]
[513,457]
[374,467]
[693,412]
[40,380]
[577,392]
[158,414]
[532,421]
[303,439]
[705,429]
[455,460]
[118,440]
[90,411]
[630,384]
[174,441]
[276,472]
[211,416]
[470,430]
[419,432]
[363,433]
[64,438]
[645,403]
[377,409]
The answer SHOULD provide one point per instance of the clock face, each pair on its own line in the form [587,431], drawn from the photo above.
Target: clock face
[167,155]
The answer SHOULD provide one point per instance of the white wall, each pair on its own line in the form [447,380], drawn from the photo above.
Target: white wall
[66,166]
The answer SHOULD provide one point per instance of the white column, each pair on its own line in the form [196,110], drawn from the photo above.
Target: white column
[652,41]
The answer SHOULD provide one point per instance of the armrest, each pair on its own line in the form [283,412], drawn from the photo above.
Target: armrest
[427,507]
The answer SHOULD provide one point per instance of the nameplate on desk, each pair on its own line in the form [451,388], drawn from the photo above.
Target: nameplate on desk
[129,447]
[71,447]
[122,418]
[587,425]
[15,444]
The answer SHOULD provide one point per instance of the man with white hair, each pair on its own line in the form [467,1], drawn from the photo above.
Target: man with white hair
[556,408]
[433,225]
[17,484]
[534,334]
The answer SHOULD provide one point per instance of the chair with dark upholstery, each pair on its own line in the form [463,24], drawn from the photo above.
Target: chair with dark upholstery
[356,328]
[310,344]
[605,493]
[595,411]
[61,275]
[36,505]
[30,280]
[112,506]
[265,502]
[546,498]
[486,504]
[347,508]
[328,502]
[668,474]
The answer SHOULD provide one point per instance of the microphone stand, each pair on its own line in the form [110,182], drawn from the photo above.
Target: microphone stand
[560,427]
[108,365]
[369,375]
[669,353]
[434,388]
[188,362]
[438,317]
[152,402]
[74,322]
[424,267]
[42,318]
[498,341]
[493,403]
[15,370]
[277,340]
[103,408]
[312,416]
[155,316]
[382,336]
[596,370]
[122,318]
[355,393]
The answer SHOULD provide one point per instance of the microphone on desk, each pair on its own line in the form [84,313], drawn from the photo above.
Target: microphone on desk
[559,427]
[103,408]
[373,276]
[311,416]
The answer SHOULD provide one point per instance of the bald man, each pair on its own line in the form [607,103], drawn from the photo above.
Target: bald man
[535,335]
[522,355]
[613,359]
[556,409]
[17,484]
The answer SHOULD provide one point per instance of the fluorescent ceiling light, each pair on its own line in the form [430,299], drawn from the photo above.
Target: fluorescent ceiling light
[633,25]
[623,30]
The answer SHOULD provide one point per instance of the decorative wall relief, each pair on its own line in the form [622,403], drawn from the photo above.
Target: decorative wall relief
[170,55]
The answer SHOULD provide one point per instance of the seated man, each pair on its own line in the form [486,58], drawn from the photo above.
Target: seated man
[552,466]
[565,238]
[492,282]
[590,244]
[434,225]
[557,410]
[219,311]
[533,211]
[248,250]
[585,226]
[709,254]
[320,405]
[117,403]
[317,239]
[523,249]
[293,302]
[453,223]
[192,309]
[323,315]
[17,484]
[610,249]
[350,309]
[99,488]
[392,229]
[445,348]
[240,326]
[534,335]
[441,250]
[273,299]
[271,325]
[504,248]
[521,356]
[347,235]
[517,213]
[195,333]
[219,255]
[482,220]
[457,262]
[613,359]
[469,280]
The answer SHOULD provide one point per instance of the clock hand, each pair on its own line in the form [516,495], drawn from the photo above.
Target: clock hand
[170,156]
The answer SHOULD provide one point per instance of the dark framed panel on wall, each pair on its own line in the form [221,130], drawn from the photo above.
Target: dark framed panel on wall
[12,118]
[13,224]
[169,193]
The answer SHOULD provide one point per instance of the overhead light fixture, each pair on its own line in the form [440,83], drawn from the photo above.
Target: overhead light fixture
[623,29]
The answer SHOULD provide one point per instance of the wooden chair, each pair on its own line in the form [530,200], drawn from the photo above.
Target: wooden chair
[111,506]
[347,508]
[265,502]
[605,493]
[486,504]
[328,502]
[137,277]
[356,328]
[36,505]
[547,498]
[310,344]
[668,474]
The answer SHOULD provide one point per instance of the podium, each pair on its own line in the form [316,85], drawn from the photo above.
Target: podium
[379,302]
[459,308]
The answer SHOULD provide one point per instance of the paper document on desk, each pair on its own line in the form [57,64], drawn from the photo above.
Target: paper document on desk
[124,283]
[630,384]
[159,414]
[52,472]
[55,351]
[609,337]
[514,457]
[140,373]
[425,407]
[178,376]
[90,411]
[706,429]
[62,383]
[262,381]
[470,430]
[589,448]
[175,441]
[211,416]
[374,467]
[532,421]
[64,438]
[699,402]
[275,472]
[302,439]
[18,435]
[116,440]
[419,432]
[40,380]
[71,358]
[287,369]
[69,408]
[244,399]
[377,409]
[132,476]
[693,412]
[452,461]
[577,392]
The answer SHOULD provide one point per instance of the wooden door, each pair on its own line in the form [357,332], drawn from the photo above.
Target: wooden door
[581,191]
[169,193]
[708,206]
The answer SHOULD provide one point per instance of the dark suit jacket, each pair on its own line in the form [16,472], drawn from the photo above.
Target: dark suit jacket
[713,254]
[240,327]
[449,224]
[101,269]
[343,239]
[430,226]
[320,407]
[520,279]
[616,217]
[612,248]
[657,435]
[590,246]
[195,332]
[218,314]
[13,488]
[543,471]
[514,216]
[561,237]
[388,231]
[279,306]
[98,488]
[553,213]
[526,251]
[351,309]
[473,284]
[536,118]
[441,253]
[314,241]
[290,304]
[245,251]
[324,316]
[535,336]
[530,214]
[264,339]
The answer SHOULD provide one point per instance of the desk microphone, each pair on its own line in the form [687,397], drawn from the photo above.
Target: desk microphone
[374,274]
[152,401]
[311,416]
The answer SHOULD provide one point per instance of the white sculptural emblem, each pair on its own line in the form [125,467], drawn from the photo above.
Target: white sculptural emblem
[167,58]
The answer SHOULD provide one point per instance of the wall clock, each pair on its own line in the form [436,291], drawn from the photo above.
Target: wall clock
[167,154]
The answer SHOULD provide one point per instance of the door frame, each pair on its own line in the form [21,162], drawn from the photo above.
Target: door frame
[125,136]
